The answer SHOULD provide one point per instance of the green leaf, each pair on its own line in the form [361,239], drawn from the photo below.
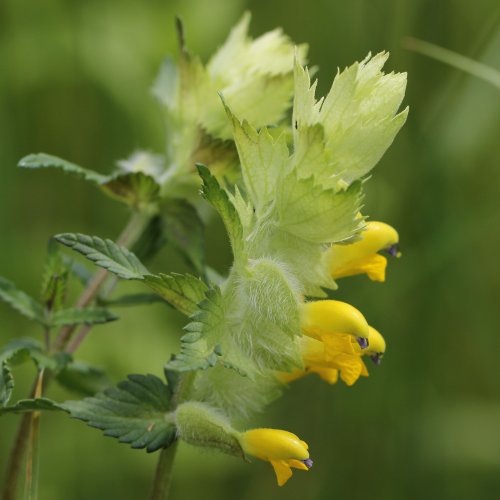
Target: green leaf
[185,231]
[106,254]
[137,412]
[43,160]
[87,316]
[136,189]
[21,301]
[6,383]
[30,405]
[182,291]
[263,161]
[316,214]
[83,378]
[358,116]
[219,199]
[198,351]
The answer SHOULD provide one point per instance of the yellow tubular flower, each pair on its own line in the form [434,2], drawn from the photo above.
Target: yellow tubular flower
[282,448]
[326,317]
[361,256]
[336,338]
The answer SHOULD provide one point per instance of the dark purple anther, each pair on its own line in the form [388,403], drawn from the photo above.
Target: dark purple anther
[363,342]
[307,462]
[393,250]
[376,358]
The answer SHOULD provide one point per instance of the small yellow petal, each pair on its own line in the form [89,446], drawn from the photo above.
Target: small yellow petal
[282,471]
[329,375]
[373,265]
[297,464]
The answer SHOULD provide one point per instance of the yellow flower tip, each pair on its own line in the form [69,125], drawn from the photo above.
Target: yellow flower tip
[376,346]
[327,317]
[282,449]
[361,257]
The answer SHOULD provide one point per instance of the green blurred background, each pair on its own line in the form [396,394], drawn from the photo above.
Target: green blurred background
[74,81]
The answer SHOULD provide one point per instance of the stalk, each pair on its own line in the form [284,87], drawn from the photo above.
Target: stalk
[163,475]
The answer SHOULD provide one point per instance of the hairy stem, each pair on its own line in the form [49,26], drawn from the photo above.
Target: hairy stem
[163,474]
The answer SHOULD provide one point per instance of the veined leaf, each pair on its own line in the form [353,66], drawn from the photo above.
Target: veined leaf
[137,412]
[316,214]
[43,160]
[219,199]
[136,189]
[18,351]
[30,405]
[198,348]
[106,254]
[21,301]
[6,383]
[87,316]
[182,291]
[263,161]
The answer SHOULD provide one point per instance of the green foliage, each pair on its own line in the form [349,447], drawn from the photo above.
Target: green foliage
[31,405]
[43,160]
[358,117]
[106,254]
[312,213]
[182,291]
[76,316]
[219,199]
[133,188]
[6,383]
[21,302]
[199,348]
[136,412]
[263,162]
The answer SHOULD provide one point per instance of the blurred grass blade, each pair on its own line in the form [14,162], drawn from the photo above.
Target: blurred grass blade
[455,60]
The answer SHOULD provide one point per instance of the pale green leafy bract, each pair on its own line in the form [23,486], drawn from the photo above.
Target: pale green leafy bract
[182,291]
[358,117]
[307,210]
[255,77]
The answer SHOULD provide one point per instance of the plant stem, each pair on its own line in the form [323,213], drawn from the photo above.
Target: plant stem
[163,475]
[17,453]
[31,483]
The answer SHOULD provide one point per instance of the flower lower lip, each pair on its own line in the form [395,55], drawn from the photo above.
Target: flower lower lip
[376,358]
[307,462]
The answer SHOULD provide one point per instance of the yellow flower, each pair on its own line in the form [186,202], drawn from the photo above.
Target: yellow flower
[361,256]
[282,448]
[336,336]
